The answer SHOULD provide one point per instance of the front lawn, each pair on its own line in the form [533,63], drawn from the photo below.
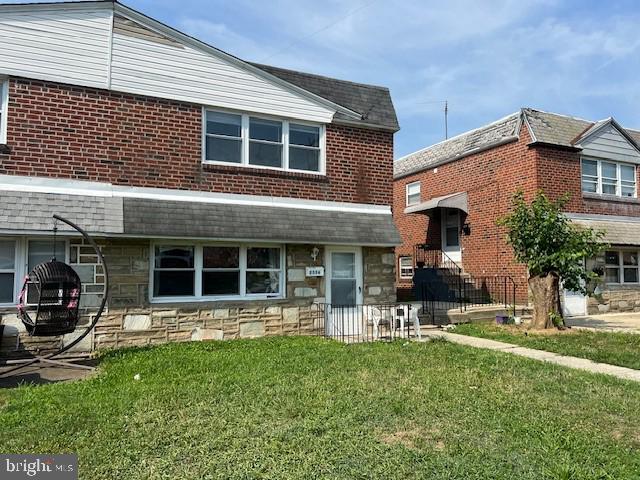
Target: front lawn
[607,347]
[310,408]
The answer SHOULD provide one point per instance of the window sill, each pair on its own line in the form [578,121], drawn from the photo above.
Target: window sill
[4,148]
[263,172]
[609,198]
[198,301]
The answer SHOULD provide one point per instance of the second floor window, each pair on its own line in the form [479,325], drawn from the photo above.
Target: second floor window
[413,193]
[4,107]
[258,142]
[610,178]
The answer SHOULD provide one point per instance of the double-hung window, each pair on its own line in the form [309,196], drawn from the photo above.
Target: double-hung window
[621,266]
[7,271]
[610,178]
[251,141]
[209,272]
[405,265]
[4,108]
[413,193]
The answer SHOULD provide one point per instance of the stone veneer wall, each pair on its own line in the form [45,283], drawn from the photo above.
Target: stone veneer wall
[131,320]
[615,298]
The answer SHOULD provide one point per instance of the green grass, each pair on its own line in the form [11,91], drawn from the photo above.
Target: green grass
[308,408]
[607,347]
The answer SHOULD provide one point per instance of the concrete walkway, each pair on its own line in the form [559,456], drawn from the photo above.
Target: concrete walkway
[607,322]
[571,362]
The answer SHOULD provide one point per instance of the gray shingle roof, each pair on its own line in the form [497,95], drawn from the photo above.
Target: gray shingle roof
[545,127]
[618,231]
[372,102]
[456,147]
[34,211]
[240,222]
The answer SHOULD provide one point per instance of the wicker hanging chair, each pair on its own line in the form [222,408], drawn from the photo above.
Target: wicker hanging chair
[50,299]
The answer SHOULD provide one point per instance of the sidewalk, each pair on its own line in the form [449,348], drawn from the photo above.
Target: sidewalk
[571,362]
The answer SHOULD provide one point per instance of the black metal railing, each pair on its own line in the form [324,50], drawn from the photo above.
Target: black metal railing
[365,323]
[442,285]
[491,290]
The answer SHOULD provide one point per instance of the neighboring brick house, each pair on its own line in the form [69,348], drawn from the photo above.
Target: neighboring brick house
[449,196]
[211,183]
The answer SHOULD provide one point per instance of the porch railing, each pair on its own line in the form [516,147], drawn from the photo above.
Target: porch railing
[366,322]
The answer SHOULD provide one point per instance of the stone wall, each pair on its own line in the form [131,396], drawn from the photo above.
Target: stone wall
[615,298]
[130,320]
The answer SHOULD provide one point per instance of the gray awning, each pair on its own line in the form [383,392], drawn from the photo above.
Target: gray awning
[161,218]
[622,231]
[454,200]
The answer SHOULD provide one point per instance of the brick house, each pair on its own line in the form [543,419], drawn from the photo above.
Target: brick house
[447,198]
[211,183]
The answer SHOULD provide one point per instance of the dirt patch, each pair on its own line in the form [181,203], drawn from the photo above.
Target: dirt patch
[516,330]
[414,438]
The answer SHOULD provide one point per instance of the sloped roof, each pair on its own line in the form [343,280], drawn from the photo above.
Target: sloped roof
[545,128]
[505,129]
[372,102]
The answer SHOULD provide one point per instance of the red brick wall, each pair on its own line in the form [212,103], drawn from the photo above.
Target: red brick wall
[559,173]
[490,178]
[61,131]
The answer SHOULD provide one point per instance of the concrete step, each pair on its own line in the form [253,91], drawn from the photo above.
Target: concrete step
[472,314]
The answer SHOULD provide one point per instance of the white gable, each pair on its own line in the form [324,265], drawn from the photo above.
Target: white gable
[606,141]
[67,45]
[88,44]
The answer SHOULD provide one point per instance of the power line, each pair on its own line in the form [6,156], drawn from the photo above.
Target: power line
[326,27]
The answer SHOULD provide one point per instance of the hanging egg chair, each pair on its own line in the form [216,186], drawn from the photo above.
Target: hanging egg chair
[49,304]
[50,299]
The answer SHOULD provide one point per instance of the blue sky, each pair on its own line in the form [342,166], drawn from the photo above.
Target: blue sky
[487,58]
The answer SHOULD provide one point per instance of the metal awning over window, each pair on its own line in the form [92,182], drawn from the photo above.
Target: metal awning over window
[454,200]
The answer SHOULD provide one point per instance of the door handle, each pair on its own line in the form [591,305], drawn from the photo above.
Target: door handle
[359,289]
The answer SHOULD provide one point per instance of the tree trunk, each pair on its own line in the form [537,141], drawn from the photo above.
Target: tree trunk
[545,290]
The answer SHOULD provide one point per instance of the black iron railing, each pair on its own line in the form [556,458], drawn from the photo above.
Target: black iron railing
[365,323]
[442,285]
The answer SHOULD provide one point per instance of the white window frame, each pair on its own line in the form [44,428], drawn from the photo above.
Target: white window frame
[621,266]
[198,266]
[400,267]
[245,139]
[21,261]
[598,179]
[408,194]
[4,109]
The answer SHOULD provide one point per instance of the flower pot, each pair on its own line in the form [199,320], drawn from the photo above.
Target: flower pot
[502,319]
[517,320]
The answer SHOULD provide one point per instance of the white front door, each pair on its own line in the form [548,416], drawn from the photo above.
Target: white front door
[344,291]
[451,234]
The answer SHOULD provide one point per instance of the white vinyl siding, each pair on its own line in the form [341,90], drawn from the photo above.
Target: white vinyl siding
[621,266]
[257,142]
[181,72]
[609,178]
[184,272]
[412,194]
[69,45]
[4,109]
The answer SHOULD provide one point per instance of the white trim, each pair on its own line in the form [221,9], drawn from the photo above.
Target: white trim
[22,257]
[400,267]
[110,50]
[246,140]
[599,177]
[198,270]
[407,194]
[4,109]
[95,189]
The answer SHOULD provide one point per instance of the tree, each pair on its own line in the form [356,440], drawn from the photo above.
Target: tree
[553,249]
